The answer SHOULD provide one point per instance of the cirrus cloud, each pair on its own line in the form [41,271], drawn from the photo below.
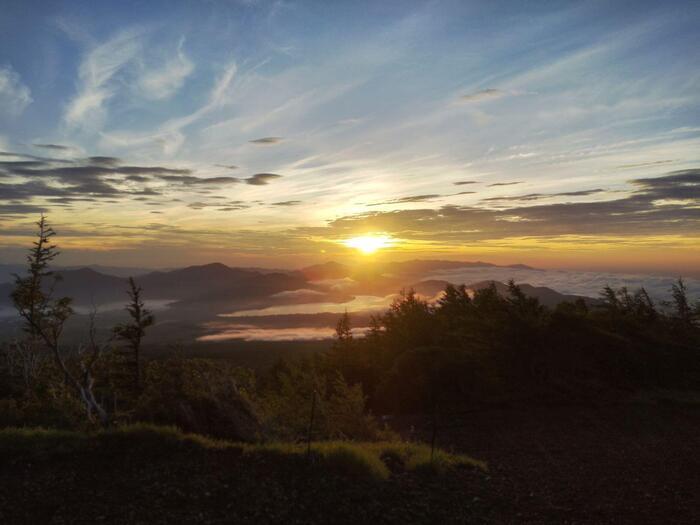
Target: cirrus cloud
[14,95]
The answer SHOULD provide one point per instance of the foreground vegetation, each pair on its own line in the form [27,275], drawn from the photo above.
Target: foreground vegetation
[369,461]
[602,465]
[148,474]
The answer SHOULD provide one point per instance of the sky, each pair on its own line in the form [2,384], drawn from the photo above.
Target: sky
[272,133]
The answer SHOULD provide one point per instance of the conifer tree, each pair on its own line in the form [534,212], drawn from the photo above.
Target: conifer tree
[45,317]
[133,331]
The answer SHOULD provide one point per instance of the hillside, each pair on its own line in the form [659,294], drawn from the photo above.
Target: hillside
[218,283]
[210,282]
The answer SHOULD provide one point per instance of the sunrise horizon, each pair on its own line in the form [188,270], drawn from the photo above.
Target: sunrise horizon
[350,262]
[252,132]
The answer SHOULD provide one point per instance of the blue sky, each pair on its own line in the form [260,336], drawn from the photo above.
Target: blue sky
[370,112]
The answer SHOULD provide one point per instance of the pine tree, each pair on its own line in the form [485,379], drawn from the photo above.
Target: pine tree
[45,317]
[133,331]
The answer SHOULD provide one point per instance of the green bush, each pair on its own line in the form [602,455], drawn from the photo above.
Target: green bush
[339,411]
[58,410]
[197,396]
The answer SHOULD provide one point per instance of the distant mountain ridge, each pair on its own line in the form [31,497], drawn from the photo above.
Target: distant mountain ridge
[7,271]
[210,282]
[336,270]
[217,283]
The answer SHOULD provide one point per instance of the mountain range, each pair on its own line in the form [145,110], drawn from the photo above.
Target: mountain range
[218,283]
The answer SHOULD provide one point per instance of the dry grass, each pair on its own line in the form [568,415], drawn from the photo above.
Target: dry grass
[371,461]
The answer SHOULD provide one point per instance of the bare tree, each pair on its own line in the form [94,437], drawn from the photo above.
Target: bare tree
[23,358]
[133,331]
[45,317]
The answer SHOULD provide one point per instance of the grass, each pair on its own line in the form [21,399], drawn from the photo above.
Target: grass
[417,457]
[369,461]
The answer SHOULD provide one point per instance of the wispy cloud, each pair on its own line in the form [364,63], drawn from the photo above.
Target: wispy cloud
[483,94]
[657,206]
[261,179]
[266,140]
[14,95]
[163,82]
[409,199]
[54,147]
[505,183]
[540,196]
[168,136]
[98,68]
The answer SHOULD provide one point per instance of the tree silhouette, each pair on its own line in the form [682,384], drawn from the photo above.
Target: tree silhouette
[133,331]
[45,317]
[682,309]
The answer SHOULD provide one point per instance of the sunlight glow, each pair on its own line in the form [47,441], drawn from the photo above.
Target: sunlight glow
[369,244]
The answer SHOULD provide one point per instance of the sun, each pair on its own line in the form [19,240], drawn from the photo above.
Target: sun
[368,244]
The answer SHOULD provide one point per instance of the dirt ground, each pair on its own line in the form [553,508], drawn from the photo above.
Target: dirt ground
[624,463]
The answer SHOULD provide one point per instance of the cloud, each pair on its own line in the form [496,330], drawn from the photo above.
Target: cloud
[300,293]
[643,164]
[66,181]
[14,95]
[267,140]
[164,82]
[189,180]
[683,185]
[483,94]
[252,333]
[668,205]
[411,198]
[261,179]
[169,136]
[104,161]
[505,183]
[33,157]
[54,147]
[220,206]
[96,71]
[20,209]
[538,196]
[463,182]
[227,166]
[287,203]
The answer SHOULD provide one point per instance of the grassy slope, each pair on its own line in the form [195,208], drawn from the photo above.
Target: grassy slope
[144,474]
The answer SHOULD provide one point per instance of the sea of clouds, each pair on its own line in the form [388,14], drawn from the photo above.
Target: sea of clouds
[571,282]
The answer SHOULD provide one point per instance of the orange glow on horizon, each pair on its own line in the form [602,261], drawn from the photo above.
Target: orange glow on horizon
[369,244]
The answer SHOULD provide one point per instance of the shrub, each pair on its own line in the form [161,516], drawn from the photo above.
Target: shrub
[339,411]
[353,460]
[56,410]
[197,396]
[417,457]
